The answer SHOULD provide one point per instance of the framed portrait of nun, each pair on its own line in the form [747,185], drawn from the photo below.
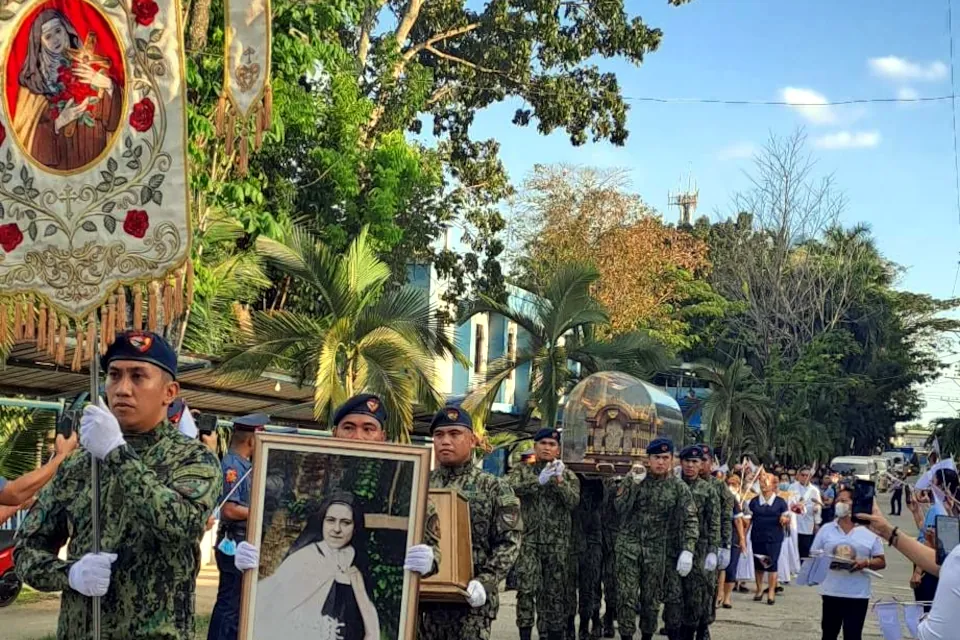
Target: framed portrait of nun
[333,519]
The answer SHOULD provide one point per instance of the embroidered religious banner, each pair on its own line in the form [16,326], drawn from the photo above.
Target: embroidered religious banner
[246,103]
[93,170]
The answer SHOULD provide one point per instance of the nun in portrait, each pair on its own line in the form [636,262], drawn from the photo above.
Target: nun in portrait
[320,590]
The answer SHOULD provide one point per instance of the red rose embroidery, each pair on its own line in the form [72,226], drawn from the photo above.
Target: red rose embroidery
[142,117]
[145,11]
[10,236]
[136,223]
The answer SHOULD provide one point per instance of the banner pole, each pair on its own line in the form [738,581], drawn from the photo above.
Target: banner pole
[95,468]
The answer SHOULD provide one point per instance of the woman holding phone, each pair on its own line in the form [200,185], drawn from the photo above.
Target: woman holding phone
[846,589]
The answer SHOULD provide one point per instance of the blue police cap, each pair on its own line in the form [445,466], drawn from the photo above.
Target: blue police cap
[660,445]
[365,404]
[693,452]
[547,433]
[141,346]
[707,451]
[451,416]
[251,422]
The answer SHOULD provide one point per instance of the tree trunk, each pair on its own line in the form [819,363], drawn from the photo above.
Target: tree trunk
[199,25]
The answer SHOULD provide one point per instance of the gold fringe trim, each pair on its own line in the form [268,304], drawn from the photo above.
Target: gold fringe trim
[121,310]
[233,129]
[137,308]
[61,356]
[178,291]
[17,322]
[30,327]
[77,360]
[189,283]
[4,324]
[52,335]
[152,301]
[267,113]
[104,328]
[243,157]
[91,337]
[42,328]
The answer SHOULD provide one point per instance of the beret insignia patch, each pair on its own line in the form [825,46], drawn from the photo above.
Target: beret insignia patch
[140,341]
[453,414]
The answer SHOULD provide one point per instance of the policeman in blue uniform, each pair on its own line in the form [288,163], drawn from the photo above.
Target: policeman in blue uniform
[233,526]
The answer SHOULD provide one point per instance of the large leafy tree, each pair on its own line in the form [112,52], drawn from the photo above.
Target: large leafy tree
[560,332]
[370,338]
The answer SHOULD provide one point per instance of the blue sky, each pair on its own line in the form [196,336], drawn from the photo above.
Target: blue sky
[894,162]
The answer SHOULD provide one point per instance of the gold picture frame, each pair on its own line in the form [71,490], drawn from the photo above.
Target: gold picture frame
[380,491]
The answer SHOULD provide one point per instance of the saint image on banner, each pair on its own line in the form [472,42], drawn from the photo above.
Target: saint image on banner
[65,85]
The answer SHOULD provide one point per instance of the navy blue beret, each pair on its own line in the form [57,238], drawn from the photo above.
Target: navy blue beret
[251,422]
[365,404]
[660,445]
[546,433]
[693,452]
[451,416]
[707,451]
[141,346]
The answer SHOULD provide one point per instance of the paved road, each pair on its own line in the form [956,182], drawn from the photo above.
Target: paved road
[797,611]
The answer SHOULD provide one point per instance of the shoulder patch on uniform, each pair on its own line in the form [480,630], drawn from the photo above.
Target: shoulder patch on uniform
[231,475]
[194,481]
[621,489]
[510,515]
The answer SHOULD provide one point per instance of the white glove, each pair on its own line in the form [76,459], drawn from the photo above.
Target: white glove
[710,562]
[90,575]
[559,468]
[99,431]
[724,559]
[637,473]
[476,594]
[419,559]
[684,563]
[546,474]
[247,556]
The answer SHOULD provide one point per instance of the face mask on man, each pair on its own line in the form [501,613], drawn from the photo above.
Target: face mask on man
[784,486]
[843,509]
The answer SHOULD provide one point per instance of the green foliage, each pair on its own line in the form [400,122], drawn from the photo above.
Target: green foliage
[367,338]
[24,436]
[736,408]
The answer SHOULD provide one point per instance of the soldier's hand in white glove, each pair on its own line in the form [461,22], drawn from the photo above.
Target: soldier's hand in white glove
[637,473]
[99,431]
[247,556]
[476,594]
[90,575]
[724,560]
[684,563]
[710,562]
[545,475]
[419,559]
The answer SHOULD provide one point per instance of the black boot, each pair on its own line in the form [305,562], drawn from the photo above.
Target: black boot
[595,626]
[571,633]
[554,635]
[525,633]
[703,633]
[646,636]
[626,637]
[608,623]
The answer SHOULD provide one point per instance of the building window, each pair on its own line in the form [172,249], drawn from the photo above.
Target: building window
[478,350]
[512,350]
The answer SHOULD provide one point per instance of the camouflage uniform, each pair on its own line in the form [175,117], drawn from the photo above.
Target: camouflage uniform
[542,564]
[658,520]
[699,586]
[609,530]
[157,492]
[587,554]
[726,529]
[496,531]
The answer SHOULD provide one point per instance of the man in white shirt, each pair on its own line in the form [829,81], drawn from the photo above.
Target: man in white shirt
[807,496]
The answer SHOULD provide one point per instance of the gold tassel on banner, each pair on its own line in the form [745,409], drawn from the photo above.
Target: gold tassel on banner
[137,308]
[52,334]
[4,324]
[231,132]
[220,116]
[243,157]
[266,115]
[104,328]
[121,310]
[91,341]
[17,321]
[110,326]
[153,300]
[42,328]
[30,328]
[62,342]
[77,350]
[178,291]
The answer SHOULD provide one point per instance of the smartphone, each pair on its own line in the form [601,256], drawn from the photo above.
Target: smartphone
[864,491]
[206,423]
[67,423]
[948,536]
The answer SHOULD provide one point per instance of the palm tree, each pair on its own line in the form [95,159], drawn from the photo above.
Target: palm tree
[23,436]
[737,408]
[947,433]
[560,326]
[370,339]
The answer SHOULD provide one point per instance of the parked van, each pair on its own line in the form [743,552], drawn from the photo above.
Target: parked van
[860,467]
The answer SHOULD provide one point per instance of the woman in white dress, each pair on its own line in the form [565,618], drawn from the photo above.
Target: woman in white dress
[320,589]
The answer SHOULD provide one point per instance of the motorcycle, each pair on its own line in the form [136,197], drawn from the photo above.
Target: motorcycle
[10,583]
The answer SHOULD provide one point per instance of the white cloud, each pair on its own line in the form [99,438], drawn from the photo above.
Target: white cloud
[737,151]
[894,68]
[848,140]
[810,104]
[907,93]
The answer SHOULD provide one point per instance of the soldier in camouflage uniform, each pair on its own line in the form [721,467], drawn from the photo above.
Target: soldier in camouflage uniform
[726,521]
[496,524]
[609,531]
[698,587]
[548,493]
[587,559]
[158,489]
[658,534]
